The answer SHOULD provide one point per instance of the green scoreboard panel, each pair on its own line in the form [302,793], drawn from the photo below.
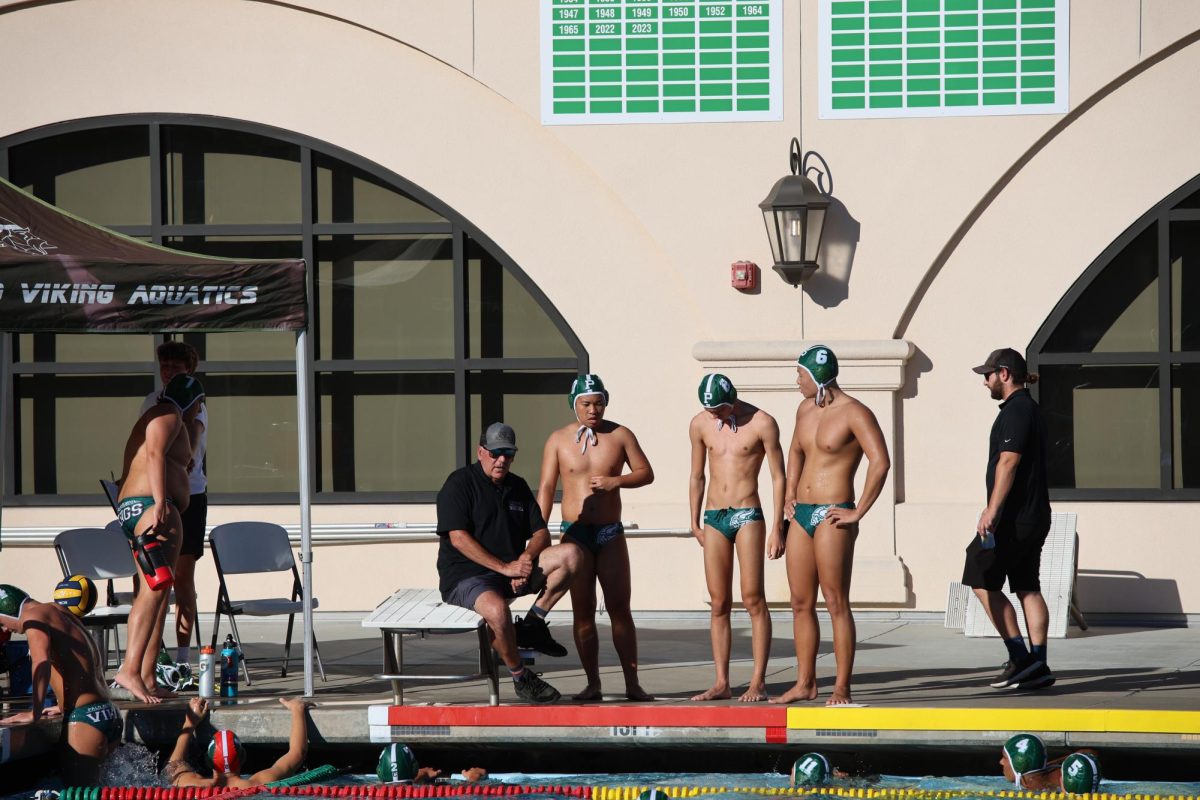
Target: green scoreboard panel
[606,61]
[925,58]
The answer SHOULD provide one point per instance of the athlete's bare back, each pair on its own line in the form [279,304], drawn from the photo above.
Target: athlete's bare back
[162,425]
[73,655]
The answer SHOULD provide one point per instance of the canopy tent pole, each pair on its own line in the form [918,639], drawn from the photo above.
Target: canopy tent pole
[303,418]
[5,417]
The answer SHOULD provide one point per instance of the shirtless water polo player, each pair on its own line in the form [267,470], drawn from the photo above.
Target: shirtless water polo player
[734,437]
[154,490]
[590,456]
[832,434]
[63,655]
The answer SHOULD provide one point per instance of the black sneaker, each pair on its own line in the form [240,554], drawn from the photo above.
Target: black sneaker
[1040,678]
[1014,672]
[532,689]
[534,634]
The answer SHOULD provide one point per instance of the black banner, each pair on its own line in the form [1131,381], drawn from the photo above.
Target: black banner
[59,273]
[55,295]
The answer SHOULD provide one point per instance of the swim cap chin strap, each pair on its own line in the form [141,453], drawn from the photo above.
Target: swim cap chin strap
[731,421]
[586,434]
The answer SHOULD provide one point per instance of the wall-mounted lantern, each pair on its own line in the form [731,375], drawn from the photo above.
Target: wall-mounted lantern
[795,215]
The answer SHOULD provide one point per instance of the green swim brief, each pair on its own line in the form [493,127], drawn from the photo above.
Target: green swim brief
[727,521]
[590,536]
[810,516]
[101,715]
[132,509]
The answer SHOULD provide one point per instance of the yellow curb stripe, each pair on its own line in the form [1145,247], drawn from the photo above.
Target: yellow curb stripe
[994,719]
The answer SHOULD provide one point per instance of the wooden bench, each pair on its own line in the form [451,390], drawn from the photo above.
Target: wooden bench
[422,612]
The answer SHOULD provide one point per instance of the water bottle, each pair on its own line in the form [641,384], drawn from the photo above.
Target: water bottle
[989,540]
[230,655]
[208,664]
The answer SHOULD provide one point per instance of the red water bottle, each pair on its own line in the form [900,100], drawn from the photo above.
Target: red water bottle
[153,562]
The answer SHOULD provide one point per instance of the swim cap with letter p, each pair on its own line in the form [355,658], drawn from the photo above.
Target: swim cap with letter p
[1080,774]
[811,769]
[716,390]
[1026,753]
[586,385]
[12,600]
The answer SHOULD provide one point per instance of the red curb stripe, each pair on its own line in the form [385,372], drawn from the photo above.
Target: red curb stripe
[590,716]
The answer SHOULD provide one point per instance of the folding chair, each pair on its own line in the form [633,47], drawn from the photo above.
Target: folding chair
[240,548]
[100,554]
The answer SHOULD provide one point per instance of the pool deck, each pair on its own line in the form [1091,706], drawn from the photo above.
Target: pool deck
[920,684]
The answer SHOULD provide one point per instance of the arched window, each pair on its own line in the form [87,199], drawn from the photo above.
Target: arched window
[424,331]
[1119,360]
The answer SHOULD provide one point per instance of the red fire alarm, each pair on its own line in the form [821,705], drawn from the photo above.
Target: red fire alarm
[743,275]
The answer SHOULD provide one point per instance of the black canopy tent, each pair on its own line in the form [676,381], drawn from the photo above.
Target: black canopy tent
[62,274]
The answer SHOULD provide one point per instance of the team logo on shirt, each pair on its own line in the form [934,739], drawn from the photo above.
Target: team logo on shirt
[517,507]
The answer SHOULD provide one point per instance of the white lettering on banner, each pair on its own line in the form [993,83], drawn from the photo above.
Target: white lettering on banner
[67,293]
[158,294]
[624,731]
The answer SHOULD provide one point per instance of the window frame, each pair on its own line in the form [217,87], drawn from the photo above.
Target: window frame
[460,230]
[1160,217]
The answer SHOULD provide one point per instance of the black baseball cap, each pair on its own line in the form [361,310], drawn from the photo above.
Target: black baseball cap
[498,436]
[1007,358]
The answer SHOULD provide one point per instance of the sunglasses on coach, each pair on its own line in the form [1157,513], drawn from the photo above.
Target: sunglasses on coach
[508,452]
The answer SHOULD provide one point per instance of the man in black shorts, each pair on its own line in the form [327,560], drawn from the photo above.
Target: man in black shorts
[1014,525]
[495,547]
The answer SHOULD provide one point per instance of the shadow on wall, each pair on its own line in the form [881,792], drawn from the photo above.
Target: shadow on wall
[918,365]
[830,285]
[1102,591]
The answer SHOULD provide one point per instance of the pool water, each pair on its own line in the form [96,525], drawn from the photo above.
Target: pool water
[135,767]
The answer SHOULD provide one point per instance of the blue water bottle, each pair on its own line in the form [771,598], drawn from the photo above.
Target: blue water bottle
[230,655]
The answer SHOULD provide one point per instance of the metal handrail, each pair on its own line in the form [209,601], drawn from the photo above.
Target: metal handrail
[331,533]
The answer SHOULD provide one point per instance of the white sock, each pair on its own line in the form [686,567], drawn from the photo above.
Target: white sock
[182,654]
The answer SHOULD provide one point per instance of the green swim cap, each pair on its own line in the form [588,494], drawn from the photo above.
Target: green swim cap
[654,794]
[1026,753]
[11,600]
[1080,774]
[819,362]
[183,391]
[397,763]
[811,769]
[586,385]
[716,390]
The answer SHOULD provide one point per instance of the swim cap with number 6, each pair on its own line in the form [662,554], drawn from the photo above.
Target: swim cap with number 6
[819,362]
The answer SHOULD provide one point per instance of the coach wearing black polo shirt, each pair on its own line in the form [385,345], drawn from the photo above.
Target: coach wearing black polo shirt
[1013,527]
[495,547]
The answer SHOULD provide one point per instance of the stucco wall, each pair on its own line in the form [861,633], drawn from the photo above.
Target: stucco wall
[629,229]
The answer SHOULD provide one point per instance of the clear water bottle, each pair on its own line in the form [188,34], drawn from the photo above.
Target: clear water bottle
[230,655]
[208,666]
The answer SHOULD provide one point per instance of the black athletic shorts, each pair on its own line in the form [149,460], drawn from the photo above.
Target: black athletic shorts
[195,520]
[1016,556]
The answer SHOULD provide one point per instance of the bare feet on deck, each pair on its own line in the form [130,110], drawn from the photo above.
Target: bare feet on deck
[637,693]
[717,692]
[840,697]
[798,693]
[591,694]
[755,693]
[134,685]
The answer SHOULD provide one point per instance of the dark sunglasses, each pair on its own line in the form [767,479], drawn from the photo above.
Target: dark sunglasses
[508,452]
